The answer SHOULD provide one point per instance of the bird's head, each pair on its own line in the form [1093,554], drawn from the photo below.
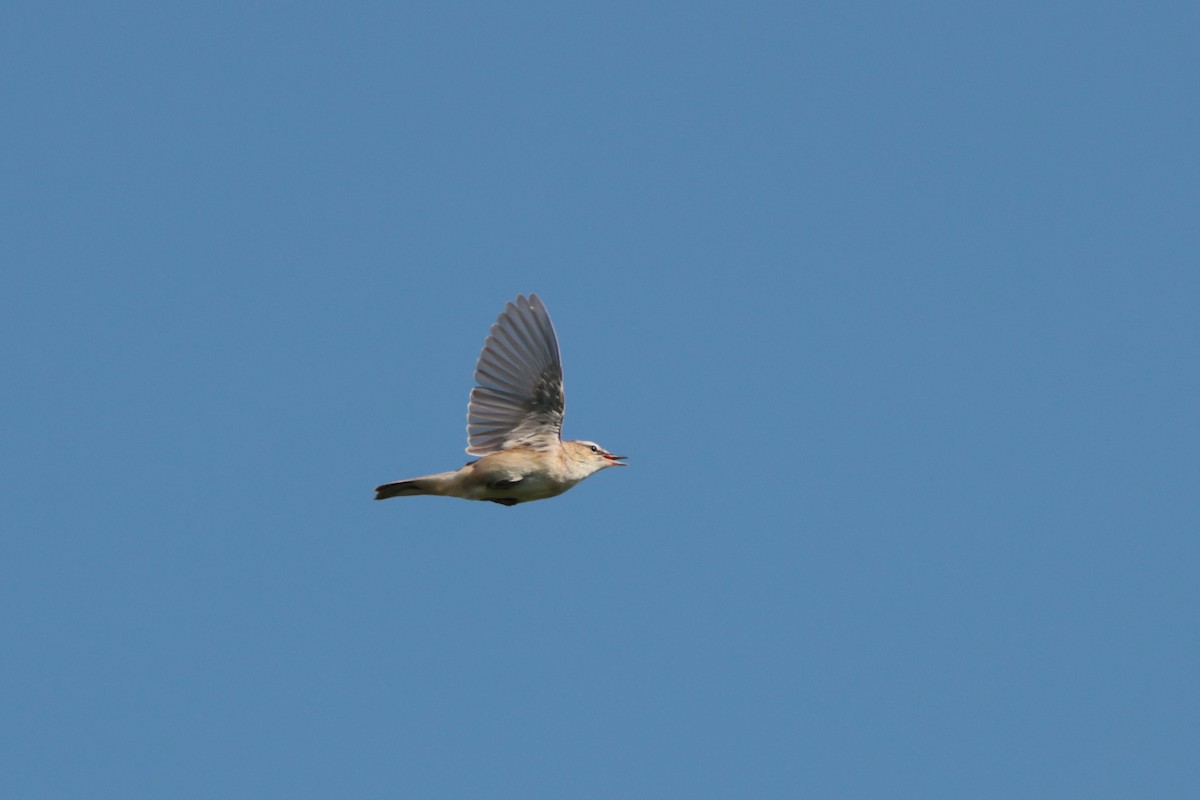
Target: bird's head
[593,456]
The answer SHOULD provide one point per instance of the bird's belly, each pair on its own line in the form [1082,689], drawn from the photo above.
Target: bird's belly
[534,487]
[522,488]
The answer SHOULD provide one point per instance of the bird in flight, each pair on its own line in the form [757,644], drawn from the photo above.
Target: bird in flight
[514,420]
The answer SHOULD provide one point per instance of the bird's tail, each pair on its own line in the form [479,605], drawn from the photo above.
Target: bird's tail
[430,484]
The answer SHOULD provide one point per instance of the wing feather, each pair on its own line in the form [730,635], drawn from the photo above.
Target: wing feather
[518,394]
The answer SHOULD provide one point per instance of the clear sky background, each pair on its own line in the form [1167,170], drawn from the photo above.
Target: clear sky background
[894,308]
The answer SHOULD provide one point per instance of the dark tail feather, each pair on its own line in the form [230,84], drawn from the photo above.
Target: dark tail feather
[400,489]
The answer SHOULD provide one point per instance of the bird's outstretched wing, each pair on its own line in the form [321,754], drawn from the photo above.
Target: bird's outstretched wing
[518,396]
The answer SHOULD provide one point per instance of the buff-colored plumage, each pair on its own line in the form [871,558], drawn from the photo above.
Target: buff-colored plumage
[514,420]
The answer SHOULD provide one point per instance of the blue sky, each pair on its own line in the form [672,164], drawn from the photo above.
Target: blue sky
[893,307]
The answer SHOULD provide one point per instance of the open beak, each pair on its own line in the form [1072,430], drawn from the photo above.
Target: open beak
[614,460]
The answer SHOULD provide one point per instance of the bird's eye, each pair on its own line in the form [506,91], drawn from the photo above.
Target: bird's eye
[595,449]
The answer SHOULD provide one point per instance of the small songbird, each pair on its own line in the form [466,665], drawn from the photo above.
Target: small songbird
[514,420]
